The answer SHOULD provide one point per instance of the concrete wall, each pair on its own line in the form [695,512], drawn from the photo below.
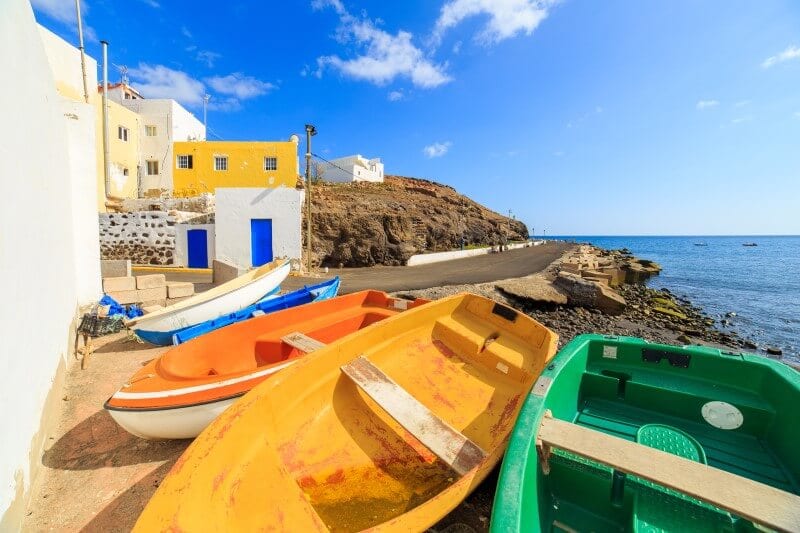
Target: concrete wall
[182,245]
[352,168]
[146,237]
[65,64]
[39,263]
[237,206]
[245,166]
[438,257]
[173,123]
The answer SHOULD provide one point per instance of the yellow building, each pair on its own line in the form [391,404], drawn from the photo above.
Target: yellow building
[123,134]
[203,166]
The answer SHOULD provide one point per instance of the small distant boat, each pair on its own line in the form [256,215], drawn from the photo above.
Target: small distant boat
[159,327]
[313,293]
[701,244]
[750,244]
[178,394]
[389,429]
[619,434]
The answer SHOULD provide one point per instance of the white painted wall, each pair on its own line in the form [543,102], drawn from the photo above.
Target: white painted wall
[65,64]
[353,168]
[40,281]
[173,123]
[237,206]
[182,243]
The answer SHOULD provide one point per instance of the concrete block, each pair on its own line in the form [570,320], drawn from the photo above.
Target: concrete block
[178,289]
[124,297]
[154,303]
[224,272]
[151,281]
[570,267]
[148,295]
[119,284]
[597,275]
[147,309]
[115,268]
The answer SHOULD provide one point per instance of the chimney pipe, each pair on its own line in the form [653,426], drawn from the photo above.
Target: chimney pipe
[106,140]
[83,54]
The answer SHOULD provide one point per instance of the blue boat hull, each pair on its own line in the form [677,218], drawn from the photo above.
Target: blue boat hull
[313,293]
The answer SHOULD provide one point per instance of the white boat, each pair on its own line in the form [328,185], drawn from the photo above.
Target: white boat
[159,327]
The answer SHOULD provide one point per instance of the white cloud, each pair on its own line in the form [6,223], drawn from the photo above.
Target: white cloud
[208,57]
[64,11]
[186,33]
[507,18]
[225,104]
[239,86]
[705,104]
[739,120]
[382,56]
[152,3]
[457,47]
[158,81]
[797,114]
[395,96]
[791,52]
[741,103]
[437,149]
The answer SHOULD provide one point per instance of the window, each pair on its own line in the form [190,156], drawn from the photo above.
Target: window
[220,162]
[150,131]
[124,171]
[270,163]
[185,161]
[122,133]
[152,168]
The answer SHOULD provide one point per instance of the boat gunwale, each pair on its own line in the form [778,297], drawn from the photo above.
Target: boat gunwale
[228,287]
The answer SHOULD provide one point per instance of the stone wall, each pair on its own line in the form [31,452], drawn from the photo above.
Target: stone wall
[145,237]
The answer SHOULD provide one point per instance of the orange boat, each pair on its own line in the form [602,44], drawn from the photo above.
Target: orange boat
[178,394]
[387,429]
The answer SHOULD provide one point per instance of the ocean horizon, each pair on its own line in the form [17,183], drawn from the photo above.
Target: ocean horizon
[755,289]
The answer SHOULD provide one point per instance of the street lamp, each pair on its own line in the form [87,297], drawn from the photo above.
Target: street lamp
[310,132]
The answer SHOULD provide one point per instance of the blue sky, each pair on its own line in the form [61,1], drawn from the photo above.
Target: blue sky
[580,117]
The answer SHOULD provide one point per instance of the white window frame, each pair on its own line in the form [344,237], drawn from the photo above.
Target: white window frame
[150,128]
[122,133]
[149,167]
[220,159]
[186,159]
[272,159]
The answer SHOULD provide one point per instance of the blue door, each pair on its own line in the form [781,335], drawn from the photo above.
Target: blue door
[261,240]
[197,242]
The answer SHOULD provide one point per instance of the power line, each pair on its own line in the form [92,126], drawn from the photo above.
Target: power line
[334,165]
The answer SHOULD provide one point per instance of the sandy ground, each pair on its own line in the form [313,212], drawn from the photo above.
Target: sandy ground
[97,477]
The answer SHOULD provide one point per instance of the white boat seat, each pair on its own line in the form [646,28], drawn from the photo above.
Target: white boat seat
[302,342]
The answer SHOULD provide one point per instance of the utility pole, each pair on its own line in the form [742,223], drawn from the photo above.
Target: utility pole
[310,132]
[80,47]
[106,140]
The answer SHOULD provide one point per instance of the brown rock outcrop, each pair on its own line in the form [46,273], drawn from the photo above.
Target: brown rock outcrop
[366,224]
[537,289]
[585,293]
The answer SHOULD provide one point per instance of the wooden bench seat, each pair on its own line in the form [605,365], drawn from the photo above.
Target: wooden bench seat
[302,342]
[447,443]
[749,499]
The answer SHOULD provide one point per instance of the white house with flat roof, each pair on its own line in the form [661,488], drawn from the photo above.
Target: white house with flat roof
[163,122]
[352,168]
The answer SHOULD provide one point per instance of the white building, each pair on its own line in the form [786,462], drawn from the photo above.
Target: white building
[49,255]
[163,122]
[352,168]
[254,226]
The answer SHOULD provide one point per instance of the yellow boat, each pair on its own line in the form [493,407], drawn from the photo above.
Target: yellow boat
[389,428]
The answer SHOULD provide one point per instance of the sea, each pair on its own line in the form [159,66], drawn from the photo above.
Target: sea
[756,289]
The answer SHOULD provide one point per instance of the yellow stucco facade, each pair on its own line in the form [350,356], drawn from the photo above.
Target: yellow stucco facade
[124,154]
[233,164]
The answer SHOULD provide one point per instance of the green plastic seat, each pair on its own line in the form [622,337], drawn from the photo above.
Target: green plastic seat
[659,509]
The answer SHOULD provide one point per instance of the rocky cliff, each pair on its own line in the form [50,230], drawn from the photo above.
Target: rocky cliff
[366,224]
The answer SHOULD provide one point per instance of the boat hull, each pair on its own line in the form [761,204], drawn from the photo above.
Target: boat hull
[159,327]
[329,456]
[732,411]
[175,423]
[230,361]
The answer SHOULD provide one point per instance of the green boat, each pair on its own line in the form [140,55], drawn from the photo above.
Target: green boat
[619,434]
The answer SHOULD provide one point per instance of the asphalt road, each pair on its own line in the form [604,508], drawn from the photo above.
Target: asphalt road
[479,269]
